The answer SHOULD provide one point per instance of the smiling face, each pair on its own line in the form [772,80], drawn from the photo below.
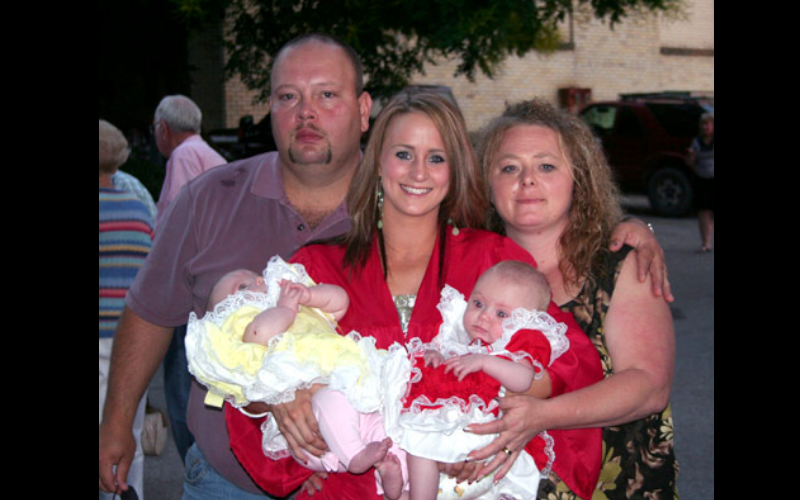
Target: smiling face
[414,166]
[531,180]
[317,117]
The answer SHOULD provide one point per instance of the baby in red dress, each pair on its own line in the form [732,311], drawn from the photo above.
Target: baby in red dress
[499,340]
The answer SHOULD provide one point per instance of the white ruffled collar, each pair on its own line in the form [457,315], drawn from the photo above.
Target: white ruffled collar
[453,338]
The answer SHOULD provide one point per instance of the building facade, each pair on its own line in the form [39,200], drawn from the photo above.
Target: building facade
[643,53]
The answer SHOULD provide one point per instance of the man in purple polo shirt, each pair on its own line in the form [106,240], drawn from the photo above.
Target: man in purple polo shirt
[238,216]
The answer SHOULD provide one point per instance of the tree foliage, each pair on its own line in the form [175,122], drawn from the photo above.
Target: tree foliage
[396,38]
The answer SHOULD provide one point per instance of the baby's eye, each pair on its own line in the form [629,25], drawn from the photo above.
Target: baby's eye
[502,314]
[477,303]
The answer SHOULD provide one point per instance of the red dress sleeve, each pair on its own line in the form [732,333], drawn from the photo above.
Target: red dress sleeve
[532,343]
[279,478]
[578,451]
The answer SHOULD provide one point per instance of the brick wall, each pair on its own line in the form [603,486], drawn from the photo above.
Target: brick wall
[645,53]
[629,58]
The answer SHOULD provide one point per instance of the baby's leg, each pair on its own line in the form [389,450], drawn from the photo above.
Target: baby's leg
[390,472]
[340,426]
[423,476]
[369,457]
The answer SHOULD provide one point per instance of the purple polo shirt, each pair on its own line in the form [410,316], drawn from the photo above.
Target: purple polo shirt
[234,216]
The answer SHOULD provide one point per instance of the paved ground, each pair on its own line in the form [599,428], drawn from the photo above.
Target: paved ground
[692,278]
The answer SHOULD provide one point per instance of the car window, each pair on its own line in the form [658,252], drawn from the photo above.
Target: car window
[629,124]
[679,120]
[601,118]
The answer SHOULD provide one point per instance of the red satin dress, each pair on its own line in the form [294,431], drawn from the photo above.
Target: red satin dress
[457,260]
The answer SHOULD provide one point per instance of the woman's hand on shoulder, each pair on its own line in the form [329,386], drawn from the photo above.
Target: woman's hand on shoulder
[650,258]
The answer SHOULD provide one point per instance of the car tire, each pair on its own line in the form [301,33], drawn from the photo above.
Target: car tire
[670,192]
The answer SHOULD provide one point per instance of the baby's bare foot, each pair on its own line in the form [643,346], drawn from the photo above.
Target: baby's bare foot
[368,457]
[391,476]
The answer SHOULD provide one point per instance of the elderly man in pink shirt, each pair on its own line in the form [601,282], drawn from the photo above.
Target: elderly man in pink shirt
[176,127]
[177,131]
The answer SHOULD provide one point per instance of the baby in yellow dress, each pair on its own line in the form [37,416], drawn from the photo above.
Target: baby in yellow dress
[270,323]
[262,341]
[256,344]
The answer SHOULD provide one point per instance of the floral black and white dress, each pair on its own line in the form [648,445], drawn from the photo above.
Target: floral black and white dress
[639,457]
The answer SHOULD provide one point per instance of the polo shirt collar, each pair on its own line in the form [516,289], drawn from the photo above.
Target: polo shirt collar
[269,181]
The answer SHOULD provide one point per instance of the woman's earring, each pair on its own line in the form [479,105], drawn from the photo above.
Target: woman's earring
[380,206]
[455,228]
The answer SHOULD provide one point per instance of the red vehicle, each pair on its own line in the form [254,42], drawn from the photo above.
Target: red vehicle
[646,138]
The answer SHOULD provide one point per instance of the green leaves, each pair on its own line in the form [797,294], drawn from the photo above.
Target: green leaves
[396,38]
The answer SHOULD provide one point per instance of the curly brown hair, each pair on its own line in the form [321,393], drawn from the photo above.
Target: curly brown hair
[595,209]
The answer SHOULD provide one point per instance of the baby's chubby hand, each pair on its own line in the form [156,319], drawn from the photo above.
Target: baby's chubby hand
[433,358]
[292,295]
[461,366]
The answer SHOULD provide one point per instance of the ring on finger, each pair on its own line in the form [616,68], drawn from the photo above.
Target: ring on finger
[507,451]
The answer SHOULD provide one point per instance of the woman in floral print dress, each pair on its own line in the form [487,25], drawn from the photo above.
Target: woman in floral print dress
[553,194]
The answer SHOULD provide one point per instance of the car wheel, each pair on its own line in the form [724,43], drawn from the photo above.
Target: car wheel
[670,192]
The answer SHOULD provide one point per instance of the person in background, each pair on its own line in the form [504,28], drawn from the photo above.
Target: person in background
[176,126]
[701,159]
[126,231]
[127,182]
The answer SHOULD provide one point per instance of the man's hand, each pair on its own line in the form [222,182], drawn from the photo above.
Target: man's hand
[314,483]
[297,423]
[649,254]
[116,455]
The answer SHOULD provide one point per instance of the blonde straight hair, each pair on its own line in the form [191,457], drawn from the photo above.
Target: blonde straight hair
[465,203]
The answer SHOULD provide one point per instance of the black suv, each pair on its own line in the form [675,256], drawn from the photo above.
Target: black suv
[646,139]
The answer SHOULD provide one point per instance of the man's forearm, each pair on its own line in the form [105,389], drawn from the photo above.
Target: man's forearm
[139,348]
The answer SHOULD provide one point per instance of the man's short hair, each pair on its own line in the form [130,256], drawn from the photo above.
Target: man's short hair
[351,54]
[180,114]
